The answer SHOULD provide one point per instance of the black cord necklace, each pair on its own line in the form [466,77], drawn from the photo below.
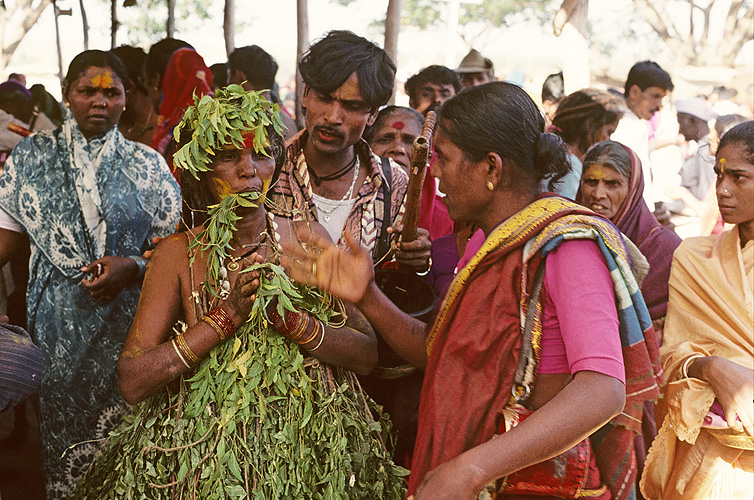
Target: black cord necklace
[234,264]
[337,175]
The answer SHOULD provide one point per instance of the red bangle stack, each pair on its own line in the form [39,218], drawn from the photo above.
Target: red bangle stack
[219,320]
[297,326]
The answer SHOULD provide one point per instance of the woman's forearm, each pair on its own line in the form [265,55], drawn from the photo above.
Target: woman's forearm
[406,335]
[582,407]
[143,373]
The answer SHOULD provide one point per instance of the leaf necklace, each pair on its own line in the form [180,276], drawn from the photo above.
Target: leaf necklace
[337,175]
[327,212]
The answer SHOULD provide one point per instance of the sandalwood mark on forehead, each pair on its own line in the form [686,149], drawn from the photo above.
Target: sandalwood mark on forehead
[723,162]
[597,172]
[102,80]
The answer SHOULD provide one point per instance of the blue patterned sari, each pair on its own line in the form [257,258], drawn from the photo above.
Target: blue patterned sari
[80,200]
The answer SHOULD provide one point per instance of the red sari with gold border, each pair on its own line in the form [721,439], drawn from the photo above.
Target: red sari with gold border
[474,344]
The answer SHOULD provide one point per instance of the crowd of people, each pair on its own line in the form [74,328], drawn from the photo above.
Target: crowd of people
[574,343]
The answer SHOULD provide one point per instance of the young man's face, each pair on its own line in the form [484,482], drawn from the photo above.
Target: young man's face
[645,103]
[430,96]
[336,121]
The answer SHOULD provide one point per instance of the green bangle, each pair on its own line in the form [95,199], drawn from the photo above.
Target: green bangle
[141,262]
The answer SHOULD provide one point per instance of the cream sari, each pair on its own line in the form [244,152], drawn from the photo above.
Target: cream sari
[710,312]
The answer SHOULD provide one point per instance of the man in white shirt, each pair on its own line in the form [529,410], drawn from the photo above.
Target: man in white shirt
[646,86]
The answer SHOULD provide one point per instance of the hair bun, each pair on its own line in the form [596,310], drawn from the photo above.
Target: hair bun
[551,157]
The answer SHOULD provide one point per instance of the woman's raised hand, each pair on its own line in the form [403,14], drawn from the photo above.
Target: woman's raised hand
[110,275]
[244,292]
[346,273]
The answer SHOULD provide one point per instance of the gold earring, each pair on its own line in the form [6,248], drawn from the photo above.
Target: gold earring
[124,108]
[67,104]
[490,186]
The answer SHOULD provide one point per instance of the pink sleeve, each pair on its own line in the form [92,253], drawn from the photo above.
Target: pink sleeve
[580,320]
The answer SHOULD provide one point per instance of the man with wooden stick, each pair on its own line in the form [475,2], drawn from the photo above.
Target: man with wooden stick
[332,176]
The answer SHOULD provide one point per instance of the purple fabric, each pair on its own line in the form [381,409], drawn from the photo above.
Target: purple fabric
[444,260]
[655,241]
[11,86]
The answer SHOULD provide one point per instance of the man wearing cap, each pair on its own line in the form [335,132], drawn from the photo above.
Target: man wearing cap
[475,69]
[697,174]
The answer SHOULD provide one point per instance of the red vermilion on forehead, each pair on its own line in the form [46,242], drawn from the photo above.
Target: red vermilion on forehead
[248,140]
[398,125]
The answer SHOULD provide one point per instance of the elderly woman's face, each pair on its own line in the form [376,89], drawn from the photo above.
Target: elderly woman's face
[395,136]
[241,170]
[96,99]
[603,189]
[735,184]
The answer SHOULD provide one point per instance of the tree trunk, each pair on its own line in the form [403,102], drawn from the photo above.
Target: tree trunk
[84,24]
[114,23]
[229,26]
[57,38]
[570,25]
[15,21]
[302,19]
[170,26]
[392,29]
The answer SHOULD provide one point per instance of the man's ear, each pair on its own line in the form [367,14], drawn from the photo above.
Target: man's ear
[634,92]
[372,117]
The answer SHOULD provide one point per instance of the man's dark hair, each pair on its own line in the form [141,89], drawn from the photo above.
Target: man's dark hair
[159,55]
[330,61]
[553,89]
[219,75]
[647,74]
[439,75]
[133,58]
[256,64]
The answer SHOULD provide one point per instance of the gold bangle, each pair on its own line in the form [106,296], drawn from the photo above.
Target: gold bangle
[184,347]
[298,331]
[180,356]
[310,337]
[321,327]
[211,322]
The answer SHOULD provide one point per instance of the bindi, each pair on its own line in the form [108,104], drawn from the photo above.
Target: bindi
[398,125]
[102,80]
[723,162]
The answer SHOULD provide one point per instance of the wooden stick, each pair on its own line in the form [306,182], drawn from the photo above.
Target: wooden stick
[419,158]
